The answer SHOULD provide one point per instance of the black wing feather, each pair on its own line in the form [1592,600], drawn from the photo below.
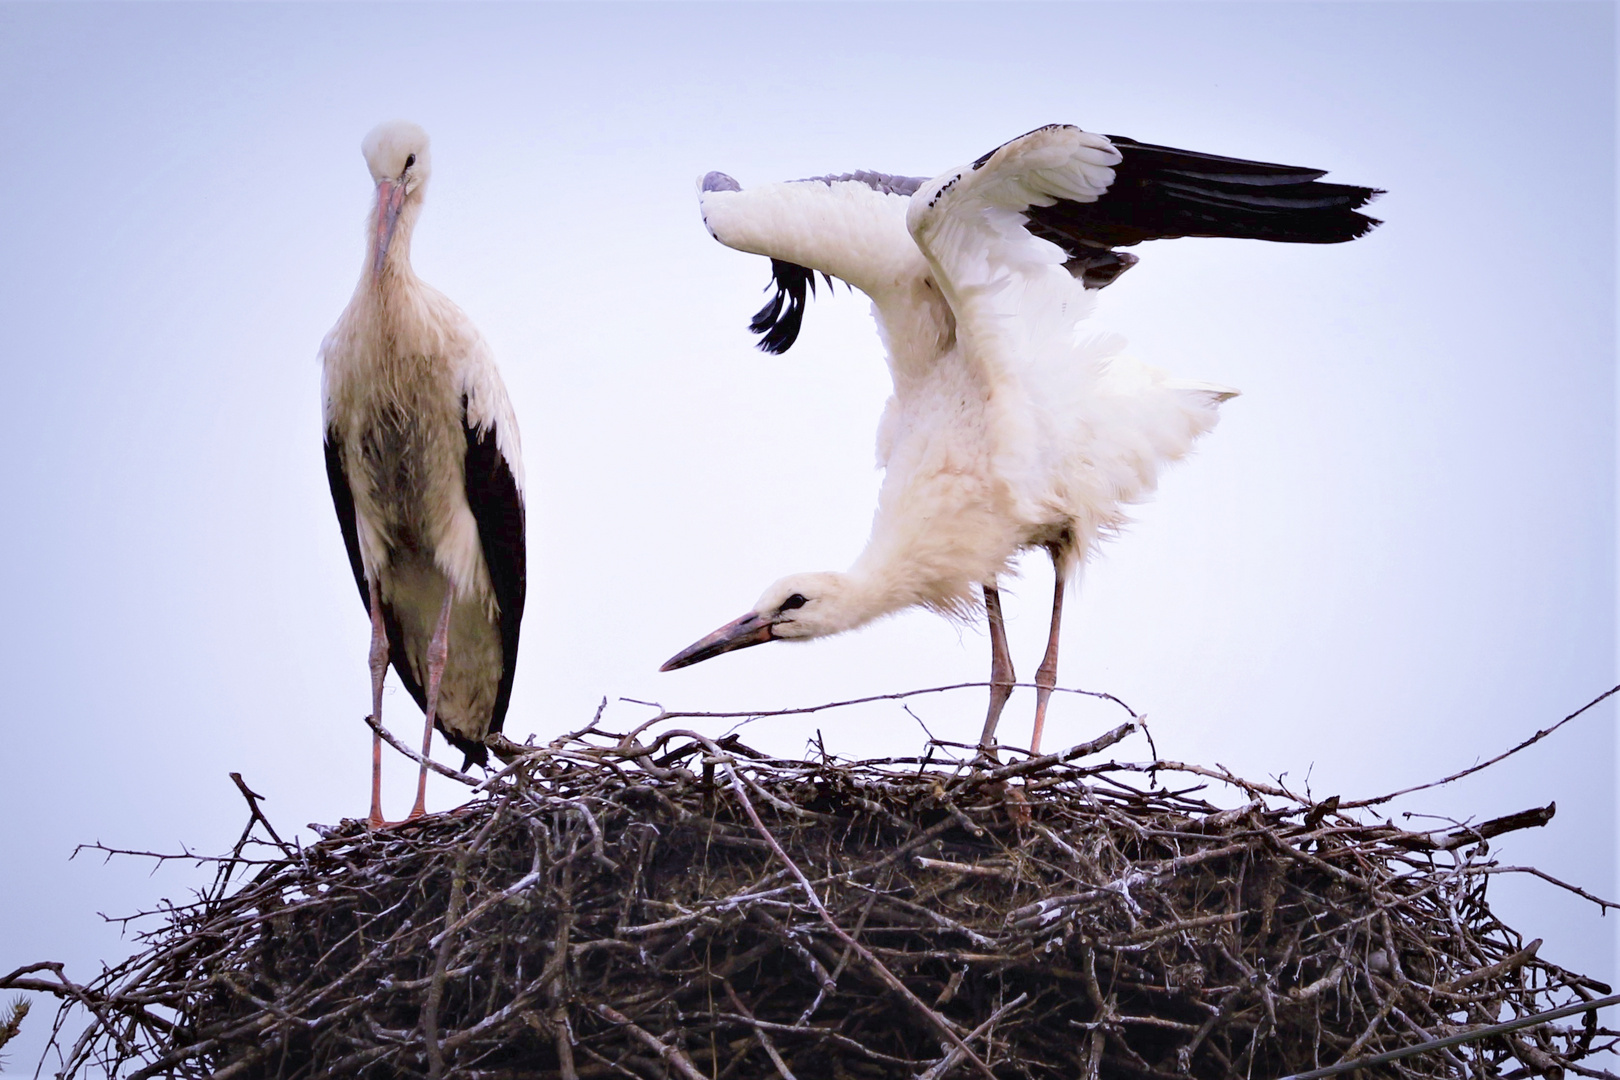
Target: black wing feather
[343,502]
[497,506]
[779,320]
[1160,192]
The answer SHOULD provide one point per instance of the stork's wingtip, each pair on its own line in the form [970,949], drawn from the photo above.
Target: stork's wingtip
[717,181]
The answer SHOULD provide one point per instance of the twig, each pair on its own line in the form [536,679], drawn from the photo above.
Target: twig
[1531,741]
[253,798]
[948,1062]
[677,1060]
[902,695]
[442,770]
[1544,876]
[1471,1035]
[765,1042]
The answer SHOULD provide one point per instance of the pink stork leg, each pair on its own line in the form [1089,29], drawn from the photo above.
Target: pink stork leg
[379,671]
[438,653]
[1001,668]
[1046,674]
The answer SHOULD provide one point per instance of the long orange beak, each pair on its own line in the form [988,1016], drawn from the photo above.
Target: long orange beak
[752,629]
[390,197]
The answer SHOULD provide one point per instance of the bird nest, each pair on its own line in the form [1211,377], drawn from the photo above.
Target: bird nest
[680,905]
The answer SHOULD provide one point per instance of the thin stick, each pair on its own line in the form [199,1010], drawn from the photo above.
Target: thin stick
[442,770]
[1531,741]
[666,715]
[1458,1039]
[681,1063]
[948,1062]
[253,798]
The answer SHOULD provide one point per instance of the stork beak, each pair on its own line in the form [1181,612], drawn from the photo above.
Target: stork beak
[752,629]
[390,197]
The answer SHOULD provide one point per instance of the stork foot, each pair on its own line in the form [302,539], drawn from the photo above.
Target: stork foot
[377,824]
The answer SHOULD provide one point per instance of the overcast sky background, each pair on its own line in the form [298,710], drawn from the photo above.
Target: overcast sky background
[1395,556]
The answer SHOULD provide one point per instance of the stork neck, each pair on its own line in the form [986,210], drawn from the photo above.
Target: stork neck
[395,268]
[905,567]
[863,597]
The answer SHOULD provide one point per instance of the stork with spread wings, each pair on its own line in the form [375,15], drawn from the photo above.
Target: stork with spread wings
[1009,428]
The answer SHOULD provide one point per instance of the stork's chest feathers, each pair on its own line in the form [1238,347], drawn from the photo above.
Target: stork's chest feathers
[398,415]
[391,386]
[403,344]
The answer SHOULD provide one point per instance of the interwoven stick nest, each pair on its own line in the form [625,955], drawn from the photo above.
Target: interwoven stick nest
[680,906]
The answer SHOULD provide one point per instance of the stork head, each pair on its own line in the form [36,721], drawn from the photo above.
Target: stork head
[796,608]
[397,153]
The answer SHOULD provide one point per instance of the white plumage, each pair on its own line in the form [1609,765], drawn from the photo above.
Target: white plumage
[426,474]
[1010,426]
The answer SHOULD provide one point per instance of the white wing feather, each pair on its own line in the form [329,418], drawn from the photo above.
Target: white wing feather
[841,227]
[1079,428]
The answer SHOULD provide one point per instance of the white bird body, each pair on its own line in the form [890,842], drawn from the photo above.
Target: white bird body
[1010,425]
[425,465]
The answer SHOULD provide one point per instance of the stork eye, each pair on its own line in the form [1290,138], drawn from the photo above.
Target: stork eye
[410,160]
[797,600]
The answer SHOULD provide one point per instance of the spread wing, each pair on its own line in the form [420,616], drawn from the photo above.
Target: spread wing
[997,231]
[1020,240]
[849,226]
[1088,194]
[1160,193]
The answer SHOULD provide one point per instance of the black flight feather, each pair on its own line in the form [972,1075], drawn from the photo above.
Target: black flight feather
[1098,267]
[497,506]
[1160,192]
[343,503]
[779,320]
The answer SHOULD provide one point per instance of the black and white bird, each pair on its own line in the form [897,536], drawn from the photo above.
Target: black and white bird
[427,477]
[1009,427]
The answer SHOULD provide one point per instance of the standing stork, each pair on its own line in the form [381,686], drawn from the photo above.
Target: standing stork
[1007,429]
[422,454]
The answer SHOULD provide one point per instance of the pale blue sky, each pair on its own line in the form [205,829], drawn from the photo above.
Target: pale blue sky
[1396,555]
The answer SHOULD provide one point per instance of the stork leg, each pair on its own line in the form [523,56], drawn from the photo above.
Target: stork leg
[379,671]
[1046,674]
[1001,668]
[438,653]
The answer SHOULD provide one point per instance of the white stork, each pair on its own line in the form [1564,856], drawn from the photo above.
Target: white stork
[1008,427]
[423,458]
